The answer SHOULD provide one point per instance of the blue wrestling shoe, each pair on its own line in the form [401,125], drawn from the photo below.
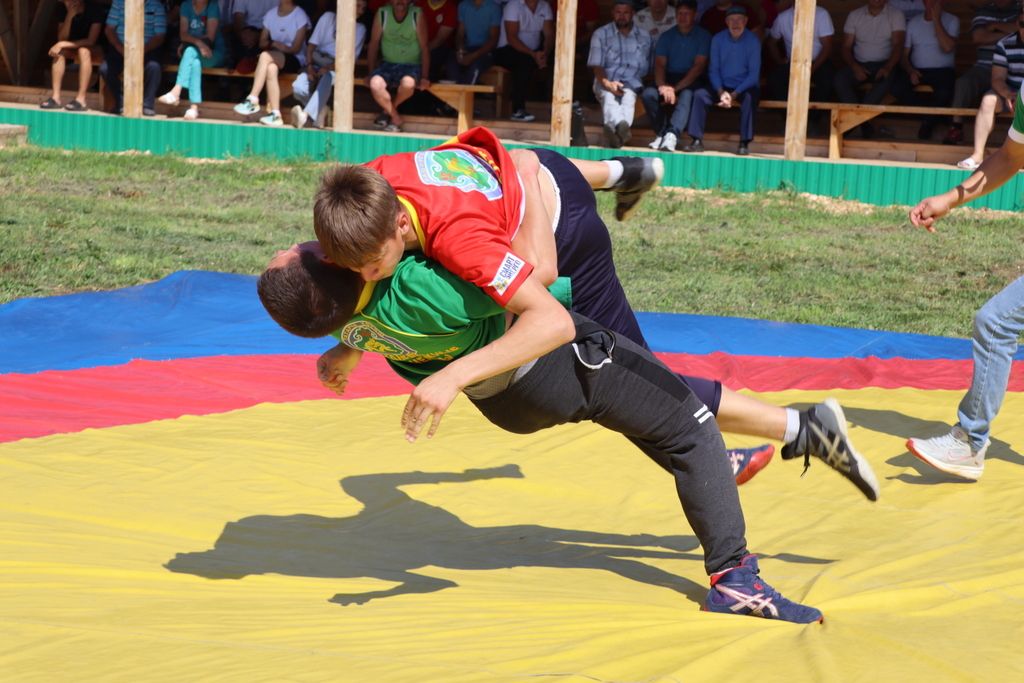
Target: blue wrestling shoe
[740,590]
[746,462]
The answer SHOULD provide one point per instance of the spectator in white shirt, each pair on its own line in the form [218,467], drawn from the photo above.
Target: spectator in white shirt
[929,55]
[780,46]
[525,46]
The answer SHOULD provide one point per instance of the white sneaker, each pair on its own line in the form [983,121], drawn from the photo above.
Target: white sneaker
[668,143]
[299,116]
[272,119]
[656,142]
[247,107]
[951,453]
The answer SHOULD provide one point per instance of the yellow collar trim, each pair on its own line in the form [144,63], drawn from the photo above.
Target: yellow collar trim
[364,297]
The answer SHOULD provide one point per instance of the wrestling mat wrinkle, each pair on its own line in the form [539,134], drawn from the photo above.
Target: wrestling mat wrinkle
[246,527]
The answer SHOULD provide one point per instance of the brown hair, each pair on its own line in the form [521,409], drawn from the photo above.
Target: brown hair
[308,297]
[354,214]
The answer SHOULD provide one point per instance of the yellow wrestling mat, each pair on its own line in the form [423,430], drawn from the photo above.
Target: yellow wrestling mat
[307,541]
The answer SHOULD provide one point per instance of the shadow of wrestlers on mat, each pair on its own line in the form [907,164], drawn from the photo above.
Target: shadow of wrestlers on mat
[395,534]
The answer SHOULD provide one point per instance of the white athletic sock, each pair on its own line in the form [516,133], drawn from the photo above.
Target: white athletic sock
[792,425]
[253,99]
[615,170]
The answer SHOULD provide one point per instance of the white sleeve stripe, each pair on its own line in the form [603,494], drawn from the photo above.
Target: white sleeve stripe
[1015,135]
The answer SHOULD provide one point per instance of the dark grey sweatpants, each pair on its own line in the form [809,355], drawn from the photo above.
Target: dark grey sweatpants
[605,378]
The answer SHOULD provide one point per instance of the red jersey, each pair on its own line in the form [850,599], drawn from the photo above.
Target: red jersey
[466,202]
[444,14]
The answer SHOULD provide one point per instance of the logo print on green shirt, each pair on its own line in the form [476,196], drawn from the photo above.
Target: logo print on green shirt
[362,334]
[457,168]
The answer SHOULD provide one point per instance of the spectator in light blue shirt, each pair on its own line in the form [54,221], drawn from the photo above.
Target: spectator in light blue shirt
[153,36]
[475,40]
[680,60]
[619,55]
[734,71]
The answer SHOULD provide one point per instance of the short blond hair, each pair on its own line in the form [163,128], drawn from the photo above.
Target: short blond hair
[354,214]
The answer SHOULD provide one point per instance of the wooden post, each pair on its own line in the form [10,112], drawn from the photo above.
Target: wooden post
[800,80]
[344,65]
[134,43]
[21,44]
[565,53]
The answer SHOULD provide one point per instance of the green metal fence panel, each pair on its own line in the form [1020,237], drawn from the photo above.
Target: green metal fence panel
[880,184]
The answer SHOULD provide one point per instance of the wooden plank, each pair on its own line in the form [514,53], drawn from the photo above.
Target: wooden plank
[8,50]
[134,56]
[799,80]
[42,25]
[565,52]
[344,65]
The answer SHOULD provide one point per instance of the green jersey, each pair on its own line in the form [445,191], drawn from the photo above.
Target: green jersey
[1016,131]
[423,317]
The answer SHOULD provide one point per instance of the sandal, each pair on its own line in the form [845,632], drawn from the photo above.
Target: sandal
[968,164]
[75,105]
[168,98]
[191,115]
[51,103]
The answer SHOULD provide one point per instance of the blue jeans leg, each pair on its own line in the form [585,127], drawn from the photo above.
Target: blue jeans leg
[997,329]
[699,113]
[681,114]
[652,105]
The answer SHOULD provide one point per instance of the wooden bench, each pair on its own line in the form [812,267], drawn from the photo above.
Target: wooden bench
[845,116]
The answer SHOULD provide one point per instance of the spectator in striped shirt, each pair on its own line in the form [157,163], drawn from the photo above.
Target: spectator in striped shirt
[154,34]
[990,24]
[1007,77]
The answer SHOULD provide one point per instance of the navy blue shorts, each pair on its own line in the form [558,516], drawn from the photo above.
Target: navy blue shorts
[585,255]
[393,73]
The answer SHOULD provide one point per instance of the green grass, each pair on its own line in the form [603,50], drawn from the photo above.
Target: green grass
[84,221]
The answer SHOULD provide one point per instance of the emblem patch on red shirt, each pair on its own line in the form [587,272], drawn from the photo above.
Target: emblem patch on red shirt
[507,272]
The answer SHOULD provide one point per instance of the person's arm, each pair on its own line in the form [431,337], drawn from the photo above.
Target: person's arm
[824,55]
[92,38]
[160,31]
[548,32]
[847,51]
[667,92]
[999,83]
[297,41]
[64,29]
[335,365]
[913,74]
[421,37]
[753,71]
[491,42]
[947,42]
[443,34]
[264,38]
[700,64]
[990,34]
[715,67]
[777,49]
[373,48]
[115,42]
[535,240]
[894,56]
[543,325]
[991,175]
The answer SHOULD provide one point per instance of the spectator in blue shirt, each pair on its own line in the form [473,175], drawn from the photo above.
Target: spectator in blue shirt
[680,60]
[734,71]
[620,54]
[475,40]
[154,35]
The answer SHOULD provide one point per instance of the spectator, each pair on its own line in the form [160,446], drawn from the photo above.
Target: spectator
[154,33]
[475,40]
[319,72]
[928,58]
[655,19]
[399,37]
[283,41]
[910,8]
[991,23]
[619,55]
[680,60]
[1007,78]
[713,18]
[442,17]
[201,45]
[77,38]
[734,71]
[872,47]
[247,24]
[524,47]
[822,72]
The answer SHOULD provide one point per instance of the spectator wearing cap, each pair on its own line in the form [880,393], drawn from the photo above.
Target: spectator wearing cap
[619,55]
[733,71]
[680,61]
[713,18]
[872,46]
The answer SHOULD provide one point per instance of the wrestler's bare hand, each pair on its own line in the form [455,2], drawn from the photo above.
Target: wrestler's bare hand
[335,365]
[930,210]
[428,404]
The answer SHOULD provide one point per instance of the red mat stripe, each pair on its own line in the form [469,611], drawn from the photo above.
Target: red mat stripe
[54,402]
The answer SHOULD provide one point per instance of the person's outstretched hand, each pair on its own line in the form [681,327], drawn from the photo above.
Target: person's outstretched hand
[930,210]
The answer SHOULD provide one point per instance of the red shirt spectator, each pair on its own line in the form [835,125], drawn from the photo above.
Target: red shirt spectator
[439,14]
